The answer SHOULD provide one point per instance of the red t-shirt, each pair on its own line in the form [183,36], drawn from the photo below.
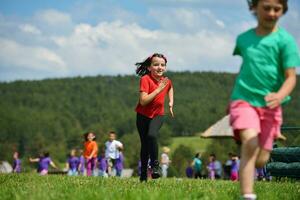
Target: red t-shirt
[156,106]
[89,146]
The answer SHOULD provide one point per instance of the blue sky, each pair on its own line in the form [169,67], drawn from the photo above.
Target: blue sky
[66,38]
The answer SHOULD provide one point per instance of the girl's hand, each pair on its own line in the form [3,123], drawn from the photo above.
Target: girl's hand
[273,100]
[163,83]
[171,109]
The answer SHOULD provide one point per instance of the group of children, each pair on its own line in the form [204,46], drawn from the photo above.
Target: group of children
[214,168]
[108,163]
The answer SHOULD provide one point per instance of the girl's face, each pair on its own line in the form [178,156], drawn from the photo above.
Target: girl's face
[268,12]
[16,155]
[90,136]
[73,153]
[157,67]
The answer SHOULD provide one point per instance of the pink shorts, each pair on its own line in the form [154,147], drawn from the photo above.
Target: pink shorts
[234,176]
[266,121]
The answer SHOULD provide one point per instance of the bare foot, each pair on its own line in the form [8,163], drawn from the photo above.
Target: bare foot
[281,137]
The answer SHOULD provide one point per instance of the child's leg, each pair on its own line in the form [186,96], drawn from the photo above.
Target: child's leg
[89,167]
[262,158]
[249,153]
[142,124]
[154,127]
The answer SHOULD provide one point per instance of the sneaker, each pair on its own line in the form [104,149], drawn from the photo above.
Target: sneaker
[143,179]
[156,170]
[248,197]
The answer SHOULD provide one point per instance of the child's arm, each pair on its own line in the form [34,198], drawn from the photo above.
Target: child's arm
[53,165]
[120,147]
[95,149]
[274,99]
[147,98]
[67,166]
[34,159]
[171,100]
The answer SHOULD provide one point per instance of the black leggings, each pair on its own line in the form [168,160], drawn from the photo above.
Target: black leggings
[148,130]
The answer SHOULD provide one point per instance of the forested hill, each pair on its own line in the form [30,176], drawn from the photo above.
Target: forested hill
[56,112]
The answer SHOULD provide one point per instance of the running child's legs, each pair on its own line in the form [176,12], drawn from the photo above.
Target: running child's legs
[256,128]
[90,165]
[148,130]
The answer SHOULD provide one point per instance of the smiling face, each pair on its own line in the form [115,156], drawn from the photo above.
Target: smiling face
[157,67]
[112,137]
[268,12]
[90,136]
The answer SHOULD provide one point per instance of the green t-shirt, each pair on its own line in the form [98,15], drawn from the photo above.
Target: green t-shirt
[265,59]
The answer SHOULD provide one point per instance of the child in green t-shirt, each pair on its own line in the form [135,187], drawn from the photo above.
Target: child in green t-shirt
[267,77]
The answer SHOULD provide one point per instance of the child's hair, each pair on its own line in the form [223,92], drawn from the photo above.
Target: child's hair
[46,154]
[142,67]
[213,156]
[253,4]
[86,136]
[112,132]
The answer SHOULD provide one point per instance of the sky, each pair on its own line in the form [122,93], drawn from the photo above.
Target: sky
[41,39]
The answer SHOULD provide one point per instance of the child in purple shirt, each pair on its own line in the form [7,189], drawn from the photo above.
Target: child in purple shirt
[81,166]
[73,163]
[234,172]
[102,165]
[44,162]
[211,167]
[17,163]
[119,164]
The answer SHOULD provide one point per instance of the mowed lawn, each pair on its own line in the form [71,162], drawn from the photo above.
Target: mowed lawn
[58,187]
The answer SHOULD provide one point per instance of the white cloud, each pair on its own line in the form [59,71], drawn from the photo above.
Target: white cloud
[192,38]
[186,19]
[53,17]
[28,28]
[110,48]
[13,54]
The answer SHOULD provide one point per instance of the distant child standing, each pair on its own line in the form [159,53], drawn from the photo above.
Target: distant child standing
[267,76]
[81,167]
[154,86]
[197,165]
[119,164]
[234,170]
[165,161]
[72,163]
[102,165]
[211,168]
[90,152]
[17,163]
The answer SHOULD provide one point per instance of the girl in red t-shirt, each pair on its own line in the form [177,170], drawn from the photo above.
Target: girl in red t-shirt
[150,109]
[90,152]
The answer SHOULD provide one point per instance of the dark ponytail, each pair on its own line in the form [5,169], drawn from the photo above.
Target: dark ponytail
[142,67]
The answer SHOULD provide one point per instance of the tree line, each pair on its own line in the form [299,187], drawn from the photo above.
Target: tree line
[53,114]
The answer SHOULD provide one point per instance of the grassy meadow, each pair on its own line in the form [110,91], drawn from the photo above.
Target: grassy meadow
[35,187]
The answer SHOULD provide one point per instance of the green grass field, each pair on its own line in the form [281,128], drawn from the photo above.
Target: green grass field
[35,187]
